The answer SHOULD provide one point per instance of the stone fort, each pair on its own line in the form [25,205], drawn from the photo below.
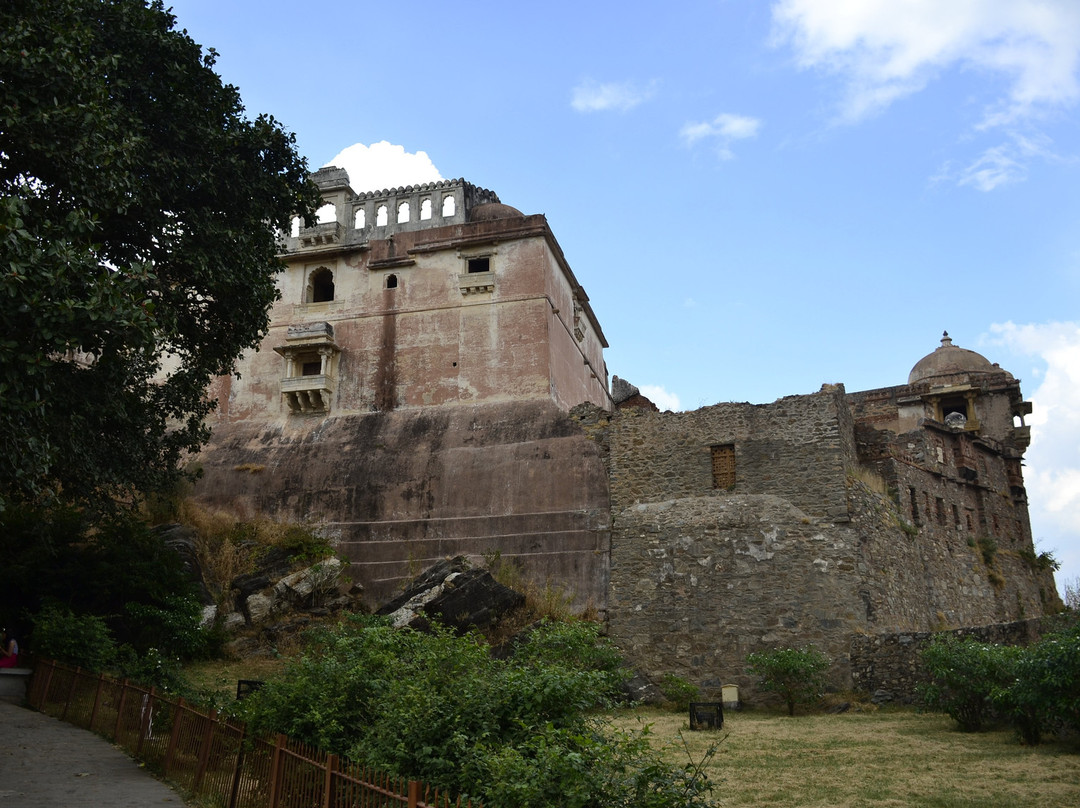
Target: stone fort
[433,384]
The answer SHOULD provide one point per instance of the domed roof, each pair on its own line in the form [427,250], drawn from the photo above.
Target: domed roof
[950,360]
[493,210]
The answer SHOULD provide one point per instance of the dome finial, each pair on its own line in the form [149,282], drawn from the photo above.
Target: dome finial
[945,341]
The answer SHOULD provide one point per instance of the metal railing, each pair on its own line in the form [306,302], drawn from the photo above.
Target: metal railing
[215,758]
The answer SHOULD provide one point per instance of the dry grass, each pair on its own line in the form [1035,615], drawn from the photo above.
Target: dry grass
[220,676]
[886,758]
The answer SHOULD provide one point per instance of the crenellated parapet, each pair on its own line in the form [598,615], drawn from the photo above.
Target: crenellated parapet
[350,219]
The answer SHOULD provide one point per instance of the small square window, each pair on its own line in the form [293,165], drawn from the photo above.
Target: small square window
[723,466]
[481,264]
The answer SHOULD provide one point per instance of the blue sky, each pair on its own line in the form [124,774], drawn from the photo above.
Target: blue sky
[759,197]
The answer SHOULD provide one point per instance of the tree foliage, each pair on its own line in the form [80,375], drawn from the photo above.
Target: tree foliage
[796,674]
[117,574]
[439,708]
[139,212]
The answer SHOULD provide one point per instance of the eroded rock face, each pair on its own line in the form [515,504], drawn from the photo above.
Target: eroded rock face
[313,587]
[454,593]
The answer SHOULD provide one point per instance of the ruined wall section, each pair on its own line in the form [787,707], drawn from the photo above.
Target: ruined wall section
[398,491]
[700,576]
[698,583]
[958,499]
[799,448]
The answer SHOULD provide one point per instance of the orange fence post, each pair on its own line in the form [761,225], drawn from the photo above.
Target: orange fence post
[328,787]
[238,770]
[275,771]
[71,693]
[204,751]
[414,793]
[174,736]
[120,709]
[97,700]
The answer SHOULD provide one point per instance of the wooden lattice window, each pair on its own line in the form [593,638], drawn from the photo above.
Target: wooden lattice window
[723,466]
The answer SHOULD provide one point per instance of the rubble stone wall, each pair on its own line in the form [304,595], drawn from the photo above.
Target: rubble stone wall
[890,665]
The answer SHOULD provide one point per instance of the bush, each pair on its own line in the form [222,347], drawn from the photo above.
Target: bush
[81,640]
[1043,692]
[964,674]
[796,674]
[439,708]
[678,691]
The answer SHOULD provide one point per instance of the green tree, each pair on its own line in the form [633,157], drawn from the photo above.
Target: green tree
[139,219]
[796,674]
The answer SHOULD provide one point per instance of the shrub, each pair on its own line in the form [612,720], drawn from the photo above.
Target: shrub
[678,691]
[82,640]
[988,548]
[964,673]
[1043,691]
[439,708]
[796,674]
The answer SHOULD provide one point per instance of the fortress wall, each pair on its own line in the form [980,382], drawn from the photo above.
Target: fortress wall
[700,577]
[700,582]
[799,448]
[399,491]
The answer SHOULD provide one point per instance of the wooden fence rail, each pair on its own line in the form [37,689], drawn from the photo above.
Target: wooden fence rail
[214,757]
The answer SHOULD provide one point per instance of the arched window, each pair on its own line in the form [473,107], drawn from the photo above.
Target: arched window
[327,213]
[391,281]
[449,206]
[425,209]
[360,220]
[403,212]
[381,216]
[320,286]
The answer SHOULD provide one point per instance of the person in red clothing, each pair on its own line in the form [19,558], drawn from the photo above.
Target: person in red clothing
[9,650]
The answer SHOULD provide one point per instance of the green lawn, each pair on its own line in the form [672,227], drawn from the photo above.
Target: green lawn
[883,758]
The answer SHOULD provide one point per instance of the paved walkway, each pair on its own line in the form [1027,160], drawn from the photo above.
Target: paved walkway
[45,763]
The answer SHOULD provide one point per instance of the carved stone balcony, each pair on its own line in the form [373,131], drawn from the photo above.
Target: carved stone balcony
[321,234]
[310,355]
[474,282]
[1022,436]
[308,393]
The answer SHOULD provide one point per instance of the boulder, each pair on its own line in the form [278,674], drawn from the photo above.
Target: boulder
[455,594]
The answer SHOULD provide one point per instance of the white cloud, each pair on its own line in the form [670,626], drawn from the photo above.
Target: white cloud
[1052,463]
[660,397]
[593,96]
[724,129]
[995,166]
[384,165]
[887,49]
[1004,163]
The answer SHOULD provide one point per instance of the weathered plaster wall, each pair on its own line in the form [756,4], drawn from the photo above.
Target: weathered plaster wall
[399,491]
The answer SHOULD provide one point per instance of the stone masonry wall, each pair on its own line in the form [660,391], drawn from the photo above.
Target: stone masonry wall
[799,448]
[698,583]
[795,554]
[890,665]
